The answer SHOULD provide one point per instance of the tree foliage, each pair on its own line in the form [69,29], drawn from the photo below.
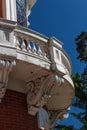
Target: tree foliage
[84,77]
[81,42]
[80,88]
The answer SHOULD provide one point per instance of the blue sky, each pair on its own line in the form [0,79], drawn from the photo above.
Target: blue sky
[64,19]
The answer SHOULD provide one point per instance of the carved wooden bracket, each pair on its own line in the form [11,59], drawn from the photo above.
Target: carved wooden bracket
[38,92]
[5,69]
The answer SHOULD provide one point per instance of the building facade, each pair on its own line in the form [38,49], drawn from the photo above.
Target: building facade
[36,88]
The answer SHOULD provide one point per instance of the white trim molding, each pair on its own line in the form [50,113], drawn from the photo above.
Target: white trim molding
[9,9]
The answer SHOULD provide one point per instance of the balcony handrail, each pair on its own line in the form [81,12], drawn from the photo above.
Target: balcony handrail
[7,24]
[35,37]
[31,33]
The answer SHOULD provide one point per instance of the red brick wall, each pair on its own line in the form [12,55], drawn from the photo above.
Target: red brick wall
[0,8]
[13,113]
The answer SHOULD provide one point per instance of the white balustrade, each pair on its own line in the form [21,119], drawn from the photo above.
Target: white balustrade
[31,47]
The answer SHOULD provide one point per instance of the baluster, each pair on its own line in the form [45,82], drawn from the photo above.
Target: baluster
[17,44]
[39,51]
[43,52]
[29,48]
[45,55]
[23,45]
[34,49]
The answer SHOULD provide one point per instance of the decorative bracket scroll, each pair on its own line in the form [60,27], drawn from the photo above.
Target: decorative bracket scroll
[38,92]
[5,68]
[34,95]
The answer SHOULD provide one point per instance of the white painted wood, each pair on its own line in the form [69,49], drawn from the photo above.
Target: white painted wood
[9,9]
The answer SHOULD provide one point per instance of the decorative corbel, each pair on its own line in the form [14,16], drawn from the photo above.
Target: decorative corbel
[38,91]
[34,95]
[5,68]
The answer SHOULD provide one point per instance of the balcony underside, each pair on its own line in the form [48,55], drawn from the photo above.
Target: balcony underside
[61,97]
[61,94]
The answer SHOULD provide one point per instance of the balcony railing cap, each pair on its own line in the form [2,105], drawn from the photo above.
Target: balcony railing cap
[55,42]
[7,24]
[31,33]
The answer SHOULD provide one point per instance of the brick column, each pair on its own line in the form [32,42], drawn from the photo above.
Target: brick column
[13,113]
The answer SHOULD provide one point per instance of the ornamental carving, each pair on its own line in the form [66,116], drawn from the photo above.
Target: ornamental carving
[5,68]
[34,91]
[39,92]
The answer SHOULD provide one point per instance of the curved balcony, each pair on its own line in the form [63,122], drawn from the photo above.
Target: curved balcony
[42,67]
